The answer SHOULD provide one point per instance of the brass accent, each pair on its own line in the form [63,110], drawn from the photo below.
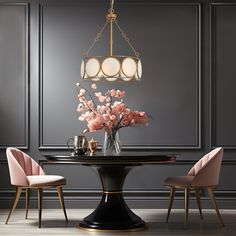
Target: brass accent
[172,194]
[111,19]
[187,190]
[114,192]
[93,147]
[186,204]
[40,199]
[17,197]
[27,199]
[124,35]
[61,198]
[111,16]
[113,230]
[213,201]
[97,38]
[198,197]
[103,75]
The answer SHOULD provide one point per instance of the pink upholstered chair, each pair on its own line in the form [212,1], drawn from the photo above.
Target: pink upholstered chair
[204,174]
[25,173]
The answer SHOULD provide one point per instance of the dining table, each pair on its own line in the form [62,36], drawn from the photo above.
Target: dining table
[112,213]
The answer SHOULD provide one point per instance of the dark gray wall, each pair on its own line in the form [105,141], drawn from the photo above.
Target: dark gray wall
[188,87]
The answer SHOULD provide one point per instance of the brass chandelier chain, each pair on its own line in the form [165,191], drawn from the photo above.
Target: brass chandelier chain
[111,67]
[96,39]
[125,37]
[110,19]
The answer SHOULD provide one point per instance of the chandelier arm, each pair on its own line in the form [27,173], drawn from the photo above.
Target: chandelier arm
[125,37]
[96,39]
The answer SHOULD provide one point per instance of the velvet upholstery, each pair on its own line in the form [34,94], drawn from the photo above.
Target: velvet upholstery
[26,172]
[203,174]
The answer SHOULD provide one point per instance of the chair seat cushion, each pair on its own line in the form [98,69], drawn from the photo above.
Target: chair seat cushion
[46,180]
[181,181]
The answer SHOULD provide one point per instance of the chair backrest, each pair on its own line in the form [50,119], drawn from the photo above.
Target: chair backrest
[206,171]
[21,165]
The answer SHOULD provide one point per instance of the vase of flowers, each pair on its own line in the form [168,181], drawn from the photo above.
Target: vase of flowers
[107,111]
[111,144]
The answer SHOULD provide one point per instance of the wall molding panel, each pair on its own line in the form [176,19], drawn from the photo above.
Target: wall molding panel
[46,124]
[222,122]
[12,69]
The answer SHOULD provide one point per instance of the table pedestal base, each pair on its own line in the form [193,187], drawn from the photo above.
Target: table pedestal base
[112,214]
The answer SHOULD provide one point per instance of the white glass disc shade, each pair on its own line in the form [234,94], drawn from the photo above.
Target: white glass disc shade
[111,66]
[139,69]
[98,77]
[92,67]
[129,67]
[111,79]
[82,69]
[124,77]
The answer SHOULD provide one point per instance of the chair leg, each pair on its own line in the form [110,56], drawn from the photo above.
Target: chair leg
[61,197]
[197,193]
[27,199]
[186,203]
[40,199]
[172,194]
[213,201]
[17,197]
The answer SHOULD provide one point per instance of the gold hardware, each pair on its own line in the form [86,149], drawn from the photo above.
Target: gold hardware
[112,192]
[111,19]
[93,147]
[112,230]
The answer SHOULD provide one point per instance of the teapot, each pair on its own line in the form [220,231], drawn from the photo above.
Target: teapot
[80,145]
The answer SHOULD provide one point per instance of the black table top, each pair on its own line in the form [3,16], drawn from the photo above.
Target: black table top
[131,158]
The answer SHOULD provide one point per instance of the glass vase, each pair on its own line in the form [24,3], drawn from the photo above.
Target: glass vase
[111,144]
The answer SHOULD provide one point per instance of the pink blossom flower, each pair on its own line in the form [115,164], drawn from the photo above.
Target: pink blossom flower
[113,92]
[81,118]
[98,94]
[120,94]
[94,86]
[102,99]
[95,124]
[110,116]
[106,117]
[101,109]
[118,108]
[82,92]
[90,104]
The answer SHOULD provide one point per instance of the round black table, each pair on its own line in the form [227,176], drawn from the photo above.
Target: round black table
[112,213]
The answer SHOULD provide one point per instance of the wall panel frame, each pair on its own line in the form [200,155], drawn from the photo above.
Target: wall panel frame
[25,144]
[197,145]
[215,77]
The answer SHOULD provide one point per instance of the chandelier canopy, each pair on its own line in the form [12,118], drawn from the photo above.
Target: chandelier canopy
[111,67]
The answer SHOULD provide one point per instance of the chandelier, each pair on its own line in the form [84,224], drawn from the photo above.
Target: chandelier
[111,67]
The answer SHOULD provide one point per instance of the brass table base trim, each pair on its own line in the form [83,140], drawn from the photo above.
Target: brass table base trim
[113,230]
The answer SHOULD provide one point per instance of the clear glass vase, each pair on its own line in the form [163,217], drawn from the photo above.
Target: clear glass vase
[111,144]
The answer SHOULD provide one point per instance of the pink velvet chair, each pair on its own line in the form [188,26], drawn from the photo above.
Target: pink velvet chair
[204,174]
[25,173]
